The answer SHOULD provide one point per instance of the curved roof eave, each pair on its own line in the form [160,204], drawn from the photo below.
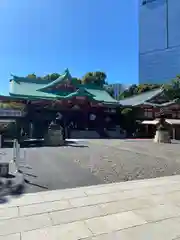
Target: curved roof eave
[65,75]
[140,98]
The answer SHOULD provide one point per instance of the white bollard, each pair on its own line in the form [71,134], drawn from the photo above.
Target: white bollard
[24,157]
[16,150]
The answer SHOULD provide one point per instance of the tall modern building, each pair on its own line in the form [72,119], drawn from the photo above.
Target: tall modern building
[159,40]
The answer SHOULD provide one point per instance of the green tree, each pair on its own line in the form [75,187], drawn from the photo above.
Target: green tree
[54,76]
[141,88]
[76,80]
[98,78]
[172,90]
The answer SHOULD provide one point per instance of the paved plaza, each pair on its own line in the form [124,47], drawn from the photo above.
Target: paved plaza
[92,162]
[139,210]
[96,190]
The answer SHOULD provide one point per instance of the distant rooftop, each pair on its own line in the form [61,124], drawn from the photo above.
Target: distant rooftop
[140,98]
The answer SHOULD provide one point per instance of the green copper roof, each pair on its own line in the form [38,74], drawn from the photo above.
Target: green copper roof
[29,90]
[101,95]
[140,98]
[21,87]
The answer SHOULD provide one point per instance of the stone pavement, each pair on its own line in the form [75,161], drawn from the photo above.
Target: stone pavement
[139,210]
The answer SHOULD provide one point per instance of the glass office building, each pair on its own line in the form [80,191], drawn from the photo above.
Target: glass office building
[159,40]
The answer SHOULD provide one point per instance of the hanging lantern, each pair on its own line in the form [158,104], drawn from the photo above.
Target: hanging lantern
[59,116]
[92,117]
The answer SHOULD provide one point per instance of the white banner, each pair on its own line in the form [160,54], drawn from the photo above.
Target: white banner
[11,113]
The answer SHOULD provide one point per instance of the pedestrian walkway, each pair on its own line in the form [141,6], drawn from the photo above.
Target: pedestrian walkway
[138,210]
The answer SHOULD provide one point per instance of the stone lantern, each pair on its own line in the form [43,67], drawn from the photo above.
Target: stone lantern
[162,131]
[55,135]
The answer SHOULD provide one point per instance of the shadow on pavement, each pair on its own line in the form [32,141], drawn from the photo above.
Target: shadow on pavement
[19,191]
[3,200]
[77,146]
[7,192]
[40,144]
[28,174]
[34,184]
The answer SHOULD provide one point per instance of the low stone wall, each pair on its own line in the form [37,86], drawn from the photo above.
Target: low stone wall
[84,134]
[115,134]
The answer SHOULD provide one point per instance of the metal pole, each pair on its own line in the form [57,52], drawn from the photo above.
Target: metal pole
[18,151]
[14,150]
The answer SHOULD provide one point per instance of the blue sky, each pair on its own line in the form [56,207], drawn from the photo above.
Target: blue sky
[44,36]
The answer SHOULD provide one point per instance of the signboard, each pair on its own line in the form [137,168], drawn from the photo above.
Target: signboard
[65,87]
[12,105]
[12,109]
[110,110]
[11,113]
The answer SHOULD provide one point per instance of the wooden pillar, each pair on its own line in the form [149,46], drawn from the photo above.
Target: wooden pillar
[174,132]
[0,140]
[147,130]
[18,129]
[31,130]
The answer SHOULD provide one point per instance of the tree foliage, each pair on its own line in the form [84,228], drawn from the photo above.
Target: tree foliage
[126,111]
[77,80]
[52,76]
[97,78]
[172,90]
[32,76]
